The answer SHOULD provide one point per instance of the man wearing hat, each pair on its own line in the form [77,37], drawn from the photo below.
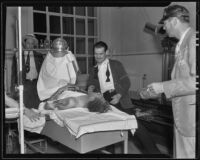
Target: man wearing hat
[31,64]
[181,89]
[59,70]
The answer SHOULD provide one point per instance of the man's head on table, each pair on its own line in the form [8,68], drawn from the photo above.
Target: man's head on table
[93,101]
[59,47]
[97,103]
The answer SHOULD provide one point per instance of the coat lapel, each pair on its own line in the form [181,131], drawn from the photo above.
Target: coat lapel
[183,45]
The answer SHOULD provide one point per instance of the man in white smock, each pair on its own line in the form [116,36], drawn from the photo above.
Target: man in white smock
[181,89]
[59,69]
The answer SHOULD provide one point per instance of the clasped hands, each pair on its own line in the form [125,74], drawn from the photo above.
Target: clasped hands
[115,98]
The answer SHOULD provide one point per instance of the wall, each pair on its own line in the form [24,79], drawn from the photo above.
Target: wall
[110,27]
[122,29]
[11,17]
[27,27]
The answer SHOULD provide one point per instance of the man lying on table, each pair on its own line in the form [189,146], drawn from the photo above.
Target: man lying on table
[62,99]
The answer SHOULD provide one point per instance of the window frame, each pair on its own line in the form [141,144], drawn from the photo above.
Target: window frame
[87,37]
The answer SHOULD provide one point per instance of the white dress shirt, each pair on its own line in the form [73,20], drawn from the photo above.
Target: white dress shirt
[105,86]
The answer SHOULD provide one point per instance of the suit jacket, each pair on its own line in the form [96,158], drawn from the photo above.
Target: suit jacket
[14,77]
[121,82]
[181,89]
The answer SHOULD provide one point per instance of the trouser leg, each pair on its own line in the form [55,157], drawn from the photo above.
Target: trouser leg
[146,140]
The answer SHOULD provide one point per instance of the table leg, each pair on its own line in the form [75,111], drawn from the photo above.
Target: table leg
[126,146]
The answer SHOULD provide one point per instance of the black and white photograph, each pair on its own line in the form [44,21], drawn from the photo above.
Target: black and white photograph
[100,79]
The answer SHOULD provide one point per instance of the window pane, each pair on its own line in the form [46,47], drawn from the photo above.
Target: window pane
[54,9]
[67,10]
[82,64]
[92,25]
[90,45]
[91,63]
[39,22]
[52,38]
[80,26]
[40,39]
[70,41]
[68,25]
[80,45]
[80,11]
[54,24]
[39,7]
[91,11]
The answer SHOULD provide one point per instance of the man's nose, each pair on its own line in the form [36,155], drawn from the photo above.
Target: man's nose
[98,56]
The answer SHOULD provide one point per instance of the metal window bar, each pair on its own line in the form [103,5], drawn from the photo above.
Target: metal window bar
[86,36]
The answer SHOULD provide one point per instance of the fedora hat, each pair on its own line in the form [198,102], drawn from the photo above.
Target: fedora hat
[30,36]
[174,11]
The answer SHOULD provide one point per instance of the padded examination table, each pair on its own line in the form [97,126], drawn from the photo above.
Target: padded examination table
[83,136]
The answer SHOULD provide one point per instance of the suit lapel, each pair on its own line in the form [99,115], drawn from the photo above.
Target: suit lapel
[182,48]
[183,45]
[112,68]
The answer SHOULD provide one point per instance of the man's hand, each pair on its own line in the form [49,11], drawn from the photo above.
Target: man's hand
[61,102]
[69,87]
[31,114]
[115,98]
[156,88]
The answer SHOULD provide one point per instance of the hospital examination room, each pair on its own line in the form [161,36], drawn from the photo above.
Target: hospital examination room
[100,80]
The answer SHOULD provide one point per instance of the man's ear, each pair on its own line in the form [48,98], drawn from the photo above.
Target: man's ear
[175,21]
[107,52]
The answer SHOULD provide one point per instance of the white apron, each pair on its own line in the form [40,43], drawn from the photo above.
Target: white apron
[55,73]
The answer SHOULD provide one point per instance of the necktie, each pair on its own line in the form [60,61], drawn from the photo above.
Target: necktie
[96,72]
[107,74]
[27,64]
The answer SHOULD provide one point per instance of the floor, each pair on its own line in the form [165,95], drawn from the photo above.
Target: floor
[133,148]
[57,148]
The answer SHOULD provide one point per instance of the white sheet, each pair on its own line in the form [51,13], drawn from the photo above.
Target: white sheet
[80,121]
[11,113]
[55,73]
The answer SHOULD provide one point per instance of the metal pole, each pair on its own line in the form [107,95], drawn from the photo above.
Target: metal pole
[21,126]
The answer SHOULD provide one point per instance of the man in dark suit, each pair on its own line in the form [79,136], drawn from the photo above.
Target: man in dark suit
[31,64]
[110,78]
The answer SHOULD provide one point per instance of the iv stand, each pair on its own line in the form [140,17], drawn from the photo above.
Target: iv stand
[21,87]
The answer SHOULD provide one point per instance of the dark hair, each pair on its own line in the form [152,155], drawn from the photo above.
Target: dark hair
[101,44]
[97,105]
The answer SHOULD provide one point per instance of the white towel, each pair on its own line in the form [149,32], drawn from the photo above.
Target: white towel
[33,126]
[11,113]
[80,121]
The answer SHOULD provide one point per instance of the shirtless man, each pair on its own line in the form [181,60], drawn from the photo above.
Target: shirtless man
[93,101]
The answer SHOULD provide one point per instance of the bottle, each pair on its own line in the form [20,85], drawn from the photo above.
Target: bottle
[46,43]
[41,43]
[50,44]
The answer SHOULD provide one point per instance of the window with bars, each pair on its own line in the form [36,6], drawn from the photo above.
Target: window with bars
[77,25]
